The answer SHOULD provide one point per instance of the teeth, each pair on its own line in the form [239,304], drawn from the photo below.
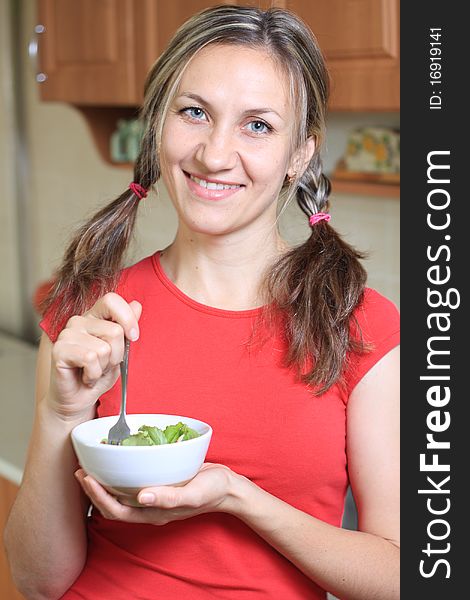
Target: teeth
[212,186]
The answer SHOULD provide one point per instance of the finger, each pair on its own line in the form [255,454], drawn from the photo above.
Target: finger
[66,355]
[137,308]
[80,474]
[112,509]
[108,331]
[113,307]
[107,504]
[168,497]
[107,357]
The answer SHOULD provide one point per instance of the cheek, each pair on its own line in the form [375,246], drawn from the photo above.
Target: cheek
[175,143]
[268,168]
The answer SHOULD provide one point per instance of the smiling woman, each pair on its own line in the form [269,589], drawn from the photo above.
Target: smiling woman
[222,142]
[284,351]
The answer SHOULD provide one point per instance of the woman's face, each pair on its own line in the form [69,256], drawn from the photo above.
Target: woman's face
[228,127]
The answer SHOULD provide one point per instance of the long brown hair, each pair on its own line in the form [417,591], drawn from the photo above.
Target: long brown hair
[315,286]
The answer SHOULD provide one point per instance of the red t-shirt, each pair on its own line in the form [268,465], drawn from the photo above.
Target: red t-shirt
[197,361]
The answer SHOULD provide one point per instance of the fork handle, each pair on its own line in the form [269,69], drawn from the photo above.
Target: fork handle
[124,366]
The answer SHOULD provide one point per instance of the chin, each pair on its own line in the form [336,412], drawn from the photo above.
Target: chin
[205,228]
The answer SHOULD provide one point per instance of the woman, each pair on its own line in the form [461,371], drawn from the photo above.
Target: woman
[292,361]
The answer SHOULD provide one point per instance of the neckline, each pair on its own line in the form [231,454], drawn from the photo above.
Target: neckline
[220,312]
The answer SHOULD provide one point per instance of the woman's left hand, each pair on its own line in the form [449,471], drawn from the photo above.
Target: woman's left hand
[209,491]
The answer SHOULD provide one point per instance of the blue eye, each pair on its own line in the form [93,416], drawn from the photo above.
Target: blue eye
[194,112]
[261,127]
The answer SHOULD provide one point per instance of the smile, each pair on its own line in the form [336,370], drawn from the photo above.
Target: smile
[212,185]
[211,190]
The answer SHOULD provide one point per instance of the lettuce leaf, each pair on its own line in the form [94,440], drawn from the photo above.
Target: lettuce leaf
[153,436]
[156,434]
[138,439]
[179,433]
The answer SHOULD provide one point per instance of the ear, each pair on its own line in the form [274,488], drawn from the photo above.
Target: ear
[302,156]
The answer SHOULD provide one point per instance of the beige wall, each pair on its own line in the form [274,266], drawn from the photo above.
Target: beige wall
[69,180]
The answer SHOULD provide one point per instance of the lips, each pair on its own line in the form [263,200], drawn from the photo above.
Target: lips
[211,189]
[213,185]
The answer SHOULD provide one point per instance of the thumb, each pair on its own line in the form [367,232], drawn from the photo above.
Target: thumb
[162,497]
[136,308]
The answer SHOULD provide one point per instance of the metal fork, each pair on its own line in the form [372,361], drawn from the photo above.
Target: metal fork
[121,430]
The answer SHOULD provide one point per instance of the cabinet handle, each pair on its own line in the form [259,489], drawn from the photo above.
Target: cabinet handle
[33,49]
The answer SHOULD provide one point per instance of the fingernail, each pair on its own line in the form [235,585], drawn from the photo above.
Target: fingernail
[147,498]
[134,335]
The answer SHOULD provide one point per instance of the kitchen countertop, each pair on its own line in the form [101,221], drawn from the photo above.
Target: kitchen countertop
[17,374]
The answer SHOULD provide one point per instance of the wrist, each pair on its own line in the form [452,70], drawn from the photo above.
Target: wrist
[257,508]
[50,412]
[240,495]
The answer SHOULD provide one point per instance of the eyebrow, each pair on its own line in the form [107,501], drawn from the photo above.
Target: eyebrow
[250,111]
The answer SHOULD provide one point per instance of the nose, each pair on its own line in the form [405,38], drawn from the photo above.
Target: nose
[218,151]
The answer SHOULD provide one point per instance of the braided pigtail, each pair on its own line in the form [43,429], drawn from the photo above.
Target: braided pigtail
[316,287]
[94,256]
[313,189]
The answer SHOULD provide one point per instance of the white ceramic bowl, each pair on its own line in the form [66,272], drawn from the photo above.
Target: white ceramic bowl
[125,470]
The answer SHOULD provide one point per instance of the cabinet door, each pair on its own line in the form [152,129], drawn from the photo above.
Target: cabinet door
[160,19]
[360,41]
[157,20]
[87,51]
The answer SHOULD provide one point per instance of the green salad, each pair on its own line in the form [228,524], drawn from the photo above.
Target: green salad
[153,436]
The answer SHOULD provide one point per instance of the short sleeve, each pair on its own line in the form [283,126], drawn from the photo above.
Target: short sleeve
[52,327]
[377,321]
[49,325]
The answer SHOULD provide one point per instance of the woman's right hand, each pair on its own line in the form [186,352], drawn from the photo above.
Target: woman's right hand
[87,354]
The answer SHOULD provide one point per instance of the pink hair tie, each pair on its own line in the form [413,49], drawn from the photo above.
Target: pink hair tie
[138,190]
[314,219]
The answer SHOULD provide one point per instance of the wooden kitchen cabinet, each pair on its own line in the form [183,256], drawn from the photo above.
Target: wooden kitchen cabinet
[8,493]
[98,52]
[87,51]
[95,54]
[360,41]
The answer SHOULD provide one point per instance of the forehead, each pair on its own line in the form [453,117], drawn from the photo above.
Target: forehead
[239,75]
